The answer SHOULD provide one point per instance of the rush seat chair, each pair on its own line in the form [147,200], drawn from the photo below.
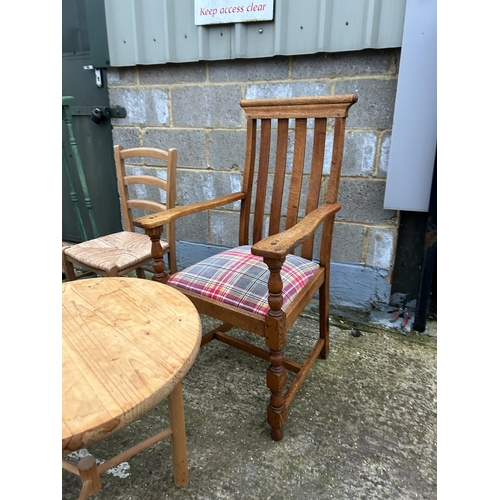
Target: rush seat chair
[120,253]
[262,286]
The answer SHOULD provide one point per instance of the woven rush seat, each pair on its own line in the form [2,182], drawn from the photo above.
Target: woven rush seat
[122,249]
[131,250]
[240,279]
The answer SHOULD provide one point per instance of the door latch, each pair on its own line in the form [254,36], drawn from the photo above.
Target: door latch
[98,74]
[98,113]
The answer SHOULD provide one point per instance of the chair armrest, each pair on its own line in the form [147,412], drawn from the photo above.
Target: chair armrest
[167,216]
[279,245]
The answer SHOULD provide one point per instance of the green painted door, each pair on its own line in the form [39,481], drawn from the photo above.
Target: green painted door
[94,141]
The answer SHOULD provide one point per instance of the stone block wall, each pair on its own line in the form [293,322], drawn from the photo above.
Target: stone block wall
[195,108]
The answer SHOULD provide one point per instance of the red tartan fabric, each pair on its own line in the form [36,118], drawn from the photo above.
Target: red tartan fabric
[238,278]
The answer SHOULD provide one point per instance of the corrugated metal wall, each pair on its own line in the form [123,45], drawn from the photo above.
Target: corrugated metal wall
[160,31]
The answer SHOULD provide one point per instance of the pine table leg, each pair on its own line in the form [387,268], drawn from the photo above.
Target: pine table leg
[91,482]
[179,448]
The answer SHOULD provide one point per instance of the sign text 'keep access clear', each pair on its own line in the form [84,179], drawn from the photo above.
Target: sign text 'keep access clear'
[232,11]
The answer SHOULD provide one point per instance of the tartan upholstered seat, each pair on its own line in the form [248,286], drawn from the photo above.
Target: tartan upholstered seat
[238,278]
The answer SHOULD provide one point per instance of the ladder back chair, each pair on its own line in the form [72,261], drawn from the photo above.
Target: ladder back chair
[262,286]
[120,253]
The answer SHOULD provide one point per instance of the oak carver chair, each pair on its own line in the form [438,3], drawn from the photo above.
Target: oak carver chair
[120,253]
[262,287]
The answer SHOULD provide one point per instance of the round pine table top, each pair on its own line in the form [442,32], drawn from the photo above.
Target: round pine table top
[126,343]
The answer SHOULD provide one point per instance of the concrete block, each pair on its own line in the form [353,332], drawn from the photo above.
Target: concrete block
[196,186]
[129,138]
[347,245]
[381,247]
[363,201]
[224,228]
[275,68]
[172,73]
[144,106]
[121,76]
[375,107]
[193,227]
[227,149]
[359,286]
[288,89]
[209,106]
[385,149]
[189,143]
[359,153]
[342,63]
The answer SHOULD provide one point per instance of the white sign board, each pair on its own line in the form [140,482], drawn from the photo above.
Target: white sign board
[232,11]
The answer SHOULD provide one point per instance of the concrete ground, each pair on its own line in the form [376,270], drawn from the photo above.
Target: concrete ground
[362,426]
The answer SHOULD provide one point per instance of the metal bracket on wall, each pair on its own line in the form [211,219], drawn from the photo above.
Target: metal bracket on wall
[98,75]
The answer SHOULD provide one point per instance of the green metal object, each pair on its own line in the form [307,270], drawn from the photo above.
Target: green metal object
[74,197]
[66,116]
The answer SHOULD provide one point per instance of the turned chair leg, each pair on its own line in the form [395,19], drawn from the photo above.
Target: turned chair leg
[276,381]
[160,274]
[275,340]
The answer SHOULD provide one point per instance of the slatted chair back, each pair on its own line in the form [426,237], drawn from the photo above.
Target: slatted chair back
[287,152]
[129,197]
